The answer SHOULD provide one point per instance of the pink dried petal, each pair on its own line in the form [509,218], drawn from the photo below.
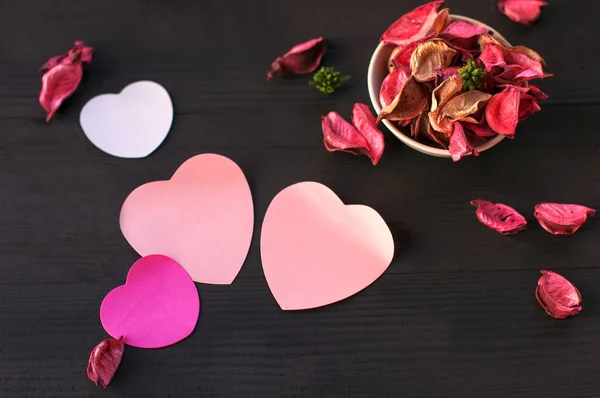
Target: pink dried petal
[444,74]
[502,111]
[491,56]
[499,217]
[339,135]
[557,296]
[301,59]
[104,361]
[562,219]
[62,75]
[402,58]
[528,105]
[463,29]
[57,85]
[522,11]
[459,145]
[530,89]
[366,124]
[412,26]
[392,85]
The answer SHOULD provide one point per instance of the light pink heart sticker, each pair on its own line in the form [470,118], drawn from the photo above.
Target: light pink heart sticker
[317,251]
[202,217]
[157,306]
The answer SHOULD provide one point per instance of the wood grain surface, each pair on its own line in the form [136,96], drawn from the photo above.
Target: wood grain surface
[454,316]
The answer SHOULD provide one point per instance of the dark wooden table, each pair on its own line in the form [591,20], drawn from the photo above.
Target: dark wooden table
[455,314]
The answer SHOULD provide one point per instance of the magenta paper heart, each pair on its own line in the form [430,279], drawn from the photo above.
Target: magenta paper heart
[202,218]
[157,306]
[317,251]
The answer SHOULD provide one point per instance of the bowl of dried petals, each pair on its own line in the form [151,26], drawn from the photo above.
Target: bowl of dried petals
[451,86]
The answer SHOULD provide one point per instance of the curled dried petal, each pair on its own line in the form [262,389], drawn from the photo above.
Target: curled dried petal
[464,29]
[402,58]
[393,54]
[562,219]
[446,73]
[481,130]
[429,56]
[509,65]
[499,217]
[459,144]
[392,85]
[104,361]
[57,85]
[339,135]
[502,111]
[62,75]
[522,11]
[441,20]
[408,104]
[445,91]
[366,124]
[557,295]
[413,25]
[462,106]
[301,59]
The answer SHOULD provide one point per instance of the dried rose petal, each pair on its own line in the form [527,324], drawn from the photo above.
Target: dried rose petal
[429,56]
[391,64]
[459,145]
[465,106]
[392,85]
[61,76]
[557,296]
[339,135]
[402,57]
[412,26]
[441,21]
[464,29]
[302,58]
[502,111]
[562,219]
[522,11]
[499,217]
[408,104]
[481,130]
[446,73]
[366,124]
[509,65]
[104,361]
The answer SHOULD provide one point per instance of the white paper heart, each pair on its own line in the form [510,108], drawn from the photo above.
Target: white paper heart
[131,124]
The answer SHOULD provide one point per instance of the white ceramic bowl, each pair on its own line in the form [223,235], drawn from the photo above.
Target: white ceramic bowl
[378,70]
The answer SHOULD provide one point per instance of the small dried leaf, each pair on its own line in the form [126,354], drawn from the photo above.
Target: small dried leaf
[104,361]
[429,56]
[502,112]
[557,296]
[562,219]
[412,26]
[366,124]
[408,104]
[522,11]
[392,85]
[300,59]
[459,144]
[499,217]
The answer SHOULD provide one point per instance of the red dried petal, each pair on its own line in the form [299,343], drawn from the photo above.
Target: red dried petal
[459,145]
[502,111]
[499,217]
[557,296]
[62,75]
[402,58]
[366,124]
[57,85]
[412,26]
[562,219]
[446,73]
[511,65]
[481,130]
[463,29]
[522,11]
[392,85]
[339,135]
[104,361]
[491,56]
[302,58]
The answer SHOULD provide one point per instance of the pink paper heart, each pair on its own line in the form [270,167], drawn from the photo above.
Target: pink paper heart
[202,217]
[317,251]
[157,306]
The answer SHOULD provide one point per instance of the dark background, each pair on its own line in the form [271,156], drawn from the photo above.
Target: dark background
[455,314]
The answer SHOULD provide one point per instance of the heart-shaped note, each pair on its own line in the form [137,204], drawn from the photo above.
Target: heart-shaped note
[317,251]
[131,124]
[157,306]
[202,217]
